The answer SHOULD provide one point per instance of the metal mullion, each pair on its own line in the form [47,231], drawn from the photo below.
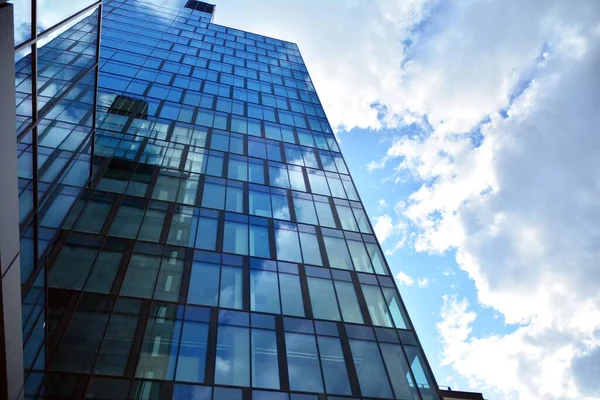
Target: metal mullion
[322,248]
[211,347]
[96,89]
[123,265]
[334,213]
[305,293]
[284,380]
[362,302]
[138,339]
[349,360]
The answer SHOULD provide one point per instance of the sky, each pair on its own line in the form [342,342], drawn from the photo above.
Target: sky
[472,131]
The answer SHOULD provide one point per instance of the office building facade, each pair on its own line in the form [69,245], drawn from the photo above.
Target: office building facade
[211,243]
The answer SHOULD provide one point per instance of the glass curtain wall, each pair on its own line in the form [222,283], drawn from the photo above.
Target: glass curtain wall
[221,250]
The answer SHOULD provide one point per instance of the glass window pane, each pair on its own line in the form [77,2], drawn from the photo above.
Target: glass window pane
[233,356]
[72,267]
[323,300]
[363,222]
[192,352]
[334,366]
[337,190]
[207,233]
[235,238]
[213,196]
[259,241]
[360,258]
[370,370]
[159,348]
[182,228]
[305,211]
[104,272]
[288,247]
[230,293]
[348,302]
[377,259]
[337,252]
[310,249]
[377,306]
[347,218]
[169,279]
[291,295]
[297,180]
[325,214]
[396,364]
[204,284]
[424,380]
[152,225]
[187,392]
[391,298]
[114,353]
[265,366]
[264,291]
[235,199]
[238,170]
[280,207]
[303,363]
[259,203]
[318,184]
[127,221]
[140,276]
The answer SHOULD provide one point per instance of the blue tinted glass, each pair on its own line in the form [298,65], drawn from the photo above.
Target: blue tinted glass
[396,364]
[204,284]
[235,238]
[264,291]
[259,241]
[288,246]
[303,363]
[259,203]
[371,373]
[192,352]
[323,299]
[185,392]
[232,364]
[334,366]
[207,233]
[213,196]
[230,293]
[265,366]
[291,295]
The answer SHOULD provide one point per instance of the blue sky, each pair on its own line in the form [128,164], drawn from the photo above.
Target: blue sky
[472,131]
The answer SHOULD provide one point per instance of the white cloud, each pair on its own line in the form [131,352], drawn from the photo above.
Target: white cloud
[383,227]
[423,282]
[405,279]
[382,203]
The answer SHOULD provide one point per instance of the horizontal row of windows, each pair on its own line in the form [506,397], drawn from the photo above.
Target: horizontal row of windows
[231,233]
[123,63]
[201,345]
[201,47]
[231,166]
[173,141]
[177,25]
[149,40]
[171,274]
[236,197]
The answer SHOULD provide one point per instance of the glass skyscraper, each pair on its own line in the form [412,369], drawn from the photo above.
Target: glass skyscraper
[196,233]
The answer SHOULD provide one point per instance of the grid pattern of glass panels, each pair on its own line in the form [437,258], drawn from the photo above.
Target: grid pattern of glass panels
[221,250]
